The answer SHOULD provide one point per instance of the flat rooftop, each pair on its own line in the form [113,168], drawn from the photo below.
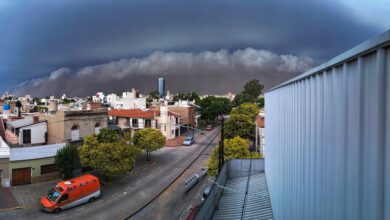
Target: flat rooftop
[232,203]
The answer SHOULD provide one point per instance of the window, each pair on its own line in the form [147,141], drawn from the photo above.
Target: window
[64,198]
[148,123]
[27,136]
[134,123]
[97,128]
[75,135]
[51,168]
[53,195]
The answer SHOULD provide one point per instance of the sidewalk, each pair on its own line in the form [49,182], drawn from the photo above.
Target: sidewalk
[7,199]
[178,141]
[30,195]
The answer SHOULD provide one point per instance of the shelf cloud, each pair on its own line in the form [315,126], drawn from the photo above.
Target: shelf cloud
[205,72]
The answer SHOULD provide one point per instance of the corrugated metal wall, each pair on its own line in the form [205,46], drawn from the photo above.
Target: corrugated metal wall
[328,138]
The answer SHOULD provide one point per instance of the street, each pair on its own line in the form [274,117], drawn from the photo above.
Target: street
[126,196]
[175,202]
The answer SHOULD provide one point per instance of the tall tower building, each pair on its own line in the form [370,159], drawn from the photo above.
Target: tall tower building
[161,87]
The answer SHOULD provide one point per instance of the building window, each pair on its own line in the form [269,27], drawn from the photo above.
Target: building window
[148,123]
[134,123]
[97,128]
[75,134]
[51,168]
[26,136]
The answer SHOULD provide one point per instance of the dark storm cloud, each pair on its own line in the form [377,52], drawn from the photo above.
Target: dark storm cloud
[206,72]
[42,36]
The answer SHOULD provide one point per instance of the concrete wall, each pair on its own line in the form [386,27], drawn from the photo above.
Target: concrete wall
[4,167]
[328,142]
[60,124]
[187,114]
[38,132]
[55,127]
[34,164]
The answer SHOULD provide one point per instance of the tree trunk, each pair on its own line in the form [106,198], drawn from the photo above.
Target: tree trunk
[147,155]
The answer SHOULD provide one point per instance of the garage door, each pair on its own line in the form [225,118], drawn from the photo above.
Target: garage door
[21,176]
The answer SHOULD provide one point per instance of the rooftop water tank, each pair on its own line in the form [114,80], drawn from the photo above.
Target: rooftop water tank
[6,106]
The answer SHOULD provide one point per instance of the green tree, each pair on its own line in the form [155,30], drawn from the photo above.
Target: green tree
[66,160]
[108,136]
[109,158]
[240,125]
[260,102]
[250,93]
[149,139]
[191,96]
[212,107]
[249,109]
[233,148]
[152,96]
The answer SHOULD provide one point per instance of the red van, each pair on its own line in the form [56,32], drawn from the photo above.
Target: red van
[70,193]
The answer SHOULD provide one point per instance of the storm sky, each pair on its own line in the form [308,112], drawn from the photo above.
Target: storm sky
[207,46]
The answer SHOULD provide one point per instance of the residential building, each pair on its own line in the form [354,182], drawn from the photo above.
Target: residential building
[74,125]
[33,164]
[260,133]
[111,98]
[328,138]
[187,113]
[26,131]
[134,119]
[5,180]
[99,97]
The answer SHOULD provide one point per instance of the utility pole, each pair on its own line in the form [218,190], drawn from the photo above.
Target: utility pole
[221,158]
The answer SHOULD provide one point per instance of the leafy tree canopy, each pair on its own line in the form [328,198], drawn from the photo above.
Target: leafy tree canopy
[249,109]
[108,136]
[149,139]
[250,93]
[234,148]
[240,125]
[191,96]
[152,96]
[110,158]
[66,160]
[212,107]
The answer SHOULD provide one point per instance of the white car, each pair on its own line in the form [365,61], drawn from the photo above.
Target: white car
[188,141]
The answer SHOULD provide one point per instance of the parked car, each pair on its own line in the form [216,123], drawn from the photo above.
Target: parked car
[209,127]
[188,141]
[194,209]
[190,182]
[70,193]
[206,192]
[203,172]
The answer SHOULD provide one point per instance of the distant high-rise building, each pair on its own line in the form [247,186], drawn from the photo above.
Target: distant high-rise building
[161,87]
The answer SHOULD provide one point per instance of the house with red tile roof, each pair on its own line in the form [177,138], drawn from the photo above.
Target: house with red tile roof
[158,118]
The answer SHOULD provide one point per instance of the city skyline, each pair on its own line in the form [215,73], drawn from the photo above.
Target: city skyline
[194,45]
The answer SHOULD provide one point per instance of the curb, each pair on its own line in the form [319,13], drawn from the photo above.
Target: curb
[16,207]
[144,167]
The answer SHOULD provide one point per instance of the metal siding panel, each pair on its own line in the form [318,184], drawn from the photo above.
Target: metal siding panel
[386,171]
[327,143]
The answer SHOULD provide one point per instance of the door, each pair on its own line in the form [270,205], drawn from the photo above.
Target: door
[27,136]
[21,176]
[74,133]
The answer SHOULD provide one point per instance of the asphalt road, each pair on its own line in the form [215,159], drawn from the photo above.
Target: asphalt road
[175,202]
[131,193]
